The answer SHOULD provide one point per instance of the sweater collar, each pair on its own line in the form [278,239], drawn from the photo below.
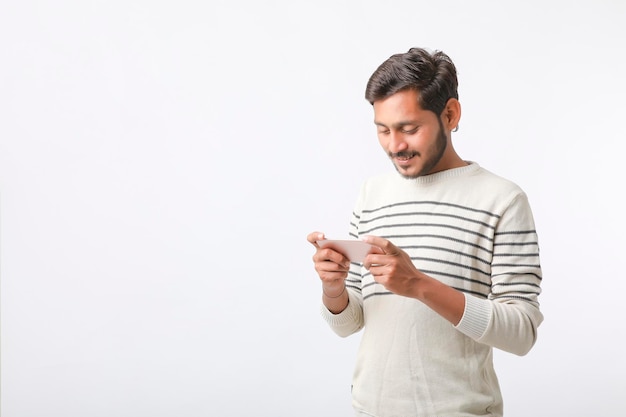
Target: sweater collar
[468,169]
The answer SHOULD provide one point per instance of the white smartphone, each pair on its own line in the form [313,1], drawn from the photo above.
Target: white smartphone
[353,249]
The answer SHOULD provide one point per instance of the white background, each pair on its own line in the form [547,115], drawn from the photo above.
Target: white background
[161,164]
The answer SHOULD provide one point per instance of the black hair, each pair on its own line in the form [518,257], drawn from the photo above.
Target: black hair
[431,74]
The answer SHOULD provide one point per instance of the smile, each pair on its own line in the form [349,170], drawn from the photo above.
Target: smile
[402,156]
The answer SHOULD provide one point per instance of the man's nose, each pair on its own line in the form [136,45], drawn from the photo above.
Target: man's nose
[397,143]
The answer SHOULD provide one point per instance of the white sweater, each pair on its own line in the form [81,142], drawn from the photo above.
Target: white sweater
[473,231]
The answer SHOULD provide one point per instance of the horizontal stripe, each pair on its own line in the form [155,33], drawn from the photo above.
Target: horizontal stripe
[434,203]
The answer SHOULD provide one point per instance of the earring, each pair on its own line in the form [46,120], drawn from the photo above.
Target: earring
[456,129]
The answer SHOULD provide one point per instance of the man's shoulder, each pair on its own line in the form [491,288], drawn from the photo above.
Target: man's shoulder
[496,181]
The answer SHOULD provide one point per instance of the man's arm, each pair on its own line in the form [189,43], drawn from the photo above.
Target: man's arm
[396,272]
[332,268]
[508,324]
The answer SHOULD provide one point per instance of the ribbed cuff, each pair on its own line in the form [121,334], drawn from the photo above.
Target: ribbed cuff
[346,318]
[476,317]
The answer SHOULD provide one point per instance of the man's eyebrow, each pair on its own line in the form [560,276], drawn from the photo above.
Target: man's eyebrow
[399,124]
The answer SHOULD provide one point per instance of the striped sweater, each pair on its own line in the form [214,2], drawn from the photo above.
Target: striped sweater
[475,232]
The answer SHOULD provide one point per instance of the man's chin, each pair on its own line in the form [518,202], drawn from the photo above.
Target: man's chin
[406,172]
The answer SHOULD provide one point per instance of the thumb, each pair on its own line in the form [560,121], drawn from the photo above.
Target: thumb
[314,237]
[385,245]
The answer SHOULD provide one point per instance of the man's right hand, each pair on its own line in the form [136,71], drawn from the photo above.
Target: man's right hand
[332,268]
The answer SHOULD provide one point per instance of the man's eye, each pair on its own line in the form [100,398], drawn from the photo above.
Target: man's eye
[383,132]
[410,130]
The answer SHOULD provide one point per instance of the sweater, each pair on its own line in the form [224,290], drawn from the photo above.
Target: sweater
[473,231]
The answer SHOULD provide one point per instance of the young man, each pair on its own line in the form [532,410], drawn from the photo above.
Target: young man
[457,271]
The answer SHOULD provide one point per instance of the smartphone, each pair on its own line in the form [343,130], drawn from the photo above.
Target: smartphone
[353,249]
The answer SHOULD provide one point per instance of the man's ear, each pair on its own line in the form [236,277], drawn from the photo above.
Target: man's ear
[451,114]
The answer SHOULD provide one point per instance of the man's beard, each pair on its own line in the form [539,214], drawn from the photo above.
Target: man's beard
[438,149]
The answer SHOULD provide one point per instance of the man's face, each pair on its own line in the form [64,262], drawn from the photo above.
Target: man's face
[413,138]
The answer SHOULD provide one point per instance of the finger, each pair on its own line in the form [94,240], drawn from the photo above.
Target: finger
[330,271]
[330,255]
[387,247]
[314,237]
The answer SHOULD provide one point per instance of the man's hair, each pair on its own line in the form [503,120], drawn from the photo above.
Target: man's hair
[431,74]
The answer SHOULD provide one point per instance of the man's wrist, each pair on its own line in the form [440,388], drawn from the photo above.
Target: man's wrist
[334,293]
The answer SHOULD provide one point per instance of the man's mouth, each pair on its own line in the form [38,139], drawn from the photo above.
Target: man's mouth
[402,156]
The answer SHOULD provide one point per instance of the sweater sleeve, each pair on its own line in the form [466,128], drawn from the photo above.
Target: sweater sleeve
[350,320]
[508,319]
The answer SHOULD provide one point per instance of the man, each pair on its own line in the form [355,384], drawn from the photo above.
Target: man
[456,271]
